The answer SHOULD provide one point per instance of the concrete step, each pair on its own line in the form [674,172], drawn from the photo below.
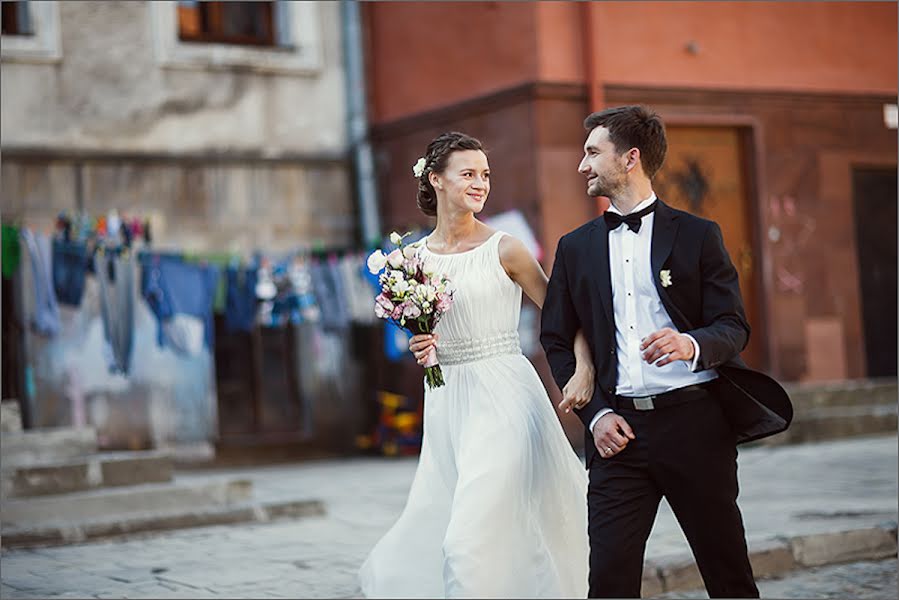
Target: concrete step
[10,416]
[54,534]
[837,422]
[42,446]
[118,503]
[844,393]
[105,469]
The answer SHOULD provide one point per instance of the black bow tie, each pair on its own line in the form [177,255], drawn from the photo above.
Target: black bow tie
[633,220]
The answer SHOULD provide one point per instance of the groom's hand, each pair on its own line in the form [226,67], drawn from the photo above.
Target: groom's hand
[665,346]
[611,434]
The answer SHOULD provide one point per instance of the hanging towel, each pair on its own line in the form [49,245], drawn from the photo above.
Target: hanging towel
[45,319]
[115,275]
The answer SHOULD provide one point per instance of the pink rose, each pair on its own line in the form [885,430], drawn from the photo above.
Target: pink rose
[380,312]
[384,302]
[411,311]
[444,301]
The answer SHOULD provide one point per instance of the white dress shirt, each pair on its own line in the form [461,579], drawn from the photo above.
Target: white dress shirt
[639,312]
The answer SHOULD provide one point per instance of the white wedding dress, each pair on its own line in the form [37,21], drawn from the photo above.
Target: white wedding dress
[498,504]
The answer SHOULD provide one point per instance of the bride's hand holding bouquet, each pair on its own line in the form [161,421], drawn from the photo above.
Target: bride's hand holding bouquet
[411,297]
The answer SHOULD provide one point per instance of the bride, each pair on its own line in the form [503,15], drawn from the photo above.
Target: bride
[498,504]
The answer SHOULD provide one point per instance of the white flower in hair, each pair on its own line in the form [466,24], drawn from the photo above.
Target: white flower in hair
[419,167]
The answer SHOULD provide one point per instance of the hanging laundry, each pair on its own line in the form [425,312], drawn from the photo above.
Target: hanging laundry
[240,300]
[220,260]
[12,251]
[115,274]
[328,289]
[45,319]
[396,342]
[358,293]
[172,286]
[301,283]
[70,264]
[184,334]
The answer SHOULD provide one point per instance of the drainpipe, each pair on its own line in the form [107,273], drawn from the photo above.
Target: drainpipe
[357,122]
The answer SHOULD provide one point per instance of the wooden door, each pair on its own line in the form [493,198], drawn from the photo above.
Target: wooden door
[874,199]
[706,174]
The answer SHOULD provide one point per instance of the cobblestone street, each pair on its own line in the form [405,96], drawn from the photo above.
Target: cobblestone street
[859,581]
[793,490]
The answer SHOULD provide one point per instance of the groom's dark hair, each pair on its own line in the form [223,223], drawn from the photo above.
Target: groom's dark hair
[634,127]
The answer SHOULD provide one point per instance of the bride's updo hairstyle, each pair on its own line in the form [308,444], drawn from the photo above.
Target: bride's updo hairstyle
[434,161]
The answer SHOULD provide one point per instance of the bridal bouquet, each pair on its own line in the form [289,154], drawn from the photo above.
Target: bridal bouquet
[411,297]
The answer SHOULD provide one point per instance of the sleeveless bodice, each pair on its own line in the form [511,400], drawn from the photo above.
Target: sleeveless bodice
[483,320]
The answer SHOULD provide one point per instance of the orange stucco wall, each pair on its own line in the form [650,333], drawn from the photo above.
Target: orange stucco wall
[423,55]
[791,46]
[561,27]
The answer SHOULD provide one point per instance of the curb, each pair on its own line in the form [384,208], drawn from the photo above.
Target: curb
[59,534]
[778,556]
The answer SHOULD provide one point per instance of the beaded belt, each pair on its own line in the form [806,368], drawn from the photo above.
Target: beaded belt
[456,352]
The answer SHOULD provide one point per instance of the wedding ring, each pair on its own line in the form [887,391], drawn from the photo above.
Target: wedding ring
[608,450]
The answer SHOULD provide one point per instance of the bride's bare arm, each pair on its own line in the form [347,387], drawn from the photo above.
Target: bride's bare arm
[523,269]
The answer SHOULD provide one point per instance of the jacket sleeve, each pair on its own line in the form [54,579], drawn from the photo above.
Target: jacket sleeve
[726,332]
[559,325]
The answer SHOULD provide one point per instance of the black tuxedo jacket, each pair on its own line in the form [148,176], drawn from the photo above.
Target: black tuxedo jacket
[703,300]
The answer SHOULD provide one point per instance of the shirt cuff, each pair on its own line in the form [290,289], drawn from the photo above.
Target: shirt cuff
[598,416]
[695,362]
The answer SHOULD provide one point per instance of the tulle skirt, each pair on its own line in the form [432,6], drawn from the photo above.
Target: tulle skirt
[498,504]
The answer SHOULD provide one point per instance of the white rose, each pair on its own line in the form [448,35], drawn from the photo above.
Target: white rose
[395,259]
[409,251]
[376,261]
[395,238]
[400,287]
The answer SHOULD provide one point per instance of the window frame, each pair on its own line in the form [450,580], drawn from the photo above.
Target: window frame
[296,29]
[22,17]
[44,45]
[214,11]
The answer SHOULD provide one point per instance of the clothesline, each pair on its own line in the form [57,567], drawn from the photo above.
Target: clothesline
[330,287]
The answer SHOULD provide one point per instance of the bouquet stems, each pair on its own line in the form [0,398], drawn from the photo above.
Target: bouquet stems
[434,377]
[433,372]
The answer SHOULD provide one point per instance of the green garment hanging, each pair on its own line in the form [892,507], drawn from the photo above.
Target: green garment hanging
[12,252]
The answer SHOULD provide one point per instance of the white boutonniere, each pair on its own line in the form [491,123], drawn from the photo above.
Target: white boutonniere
[665,277]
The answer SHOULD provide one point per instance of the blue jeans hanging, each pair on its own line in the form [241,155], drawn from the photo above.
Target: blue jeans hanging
[69,271]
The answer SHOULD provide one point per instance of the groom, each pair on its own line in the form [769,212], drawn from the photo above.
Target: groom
[657,296]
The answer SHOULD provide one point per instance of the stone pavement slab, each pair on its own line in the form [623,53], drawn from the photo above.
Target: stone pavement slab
[870,580]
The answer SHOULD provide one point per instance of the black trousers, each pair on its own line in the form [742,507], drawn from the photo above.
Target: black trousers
[686,453]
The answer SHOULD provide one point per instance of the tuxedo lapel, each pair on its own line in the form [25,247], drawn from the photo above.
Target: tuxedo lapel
[664,232]
[601,276]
